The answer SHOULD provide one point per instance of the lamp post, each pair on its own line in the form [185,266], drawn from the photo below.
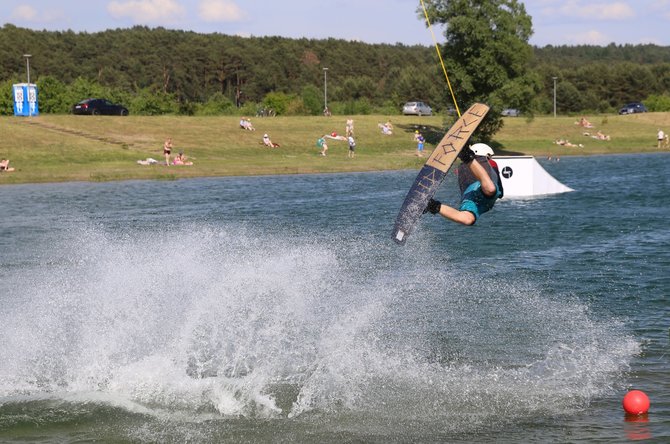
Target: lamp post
[28,56]
[325,90]
[554,78]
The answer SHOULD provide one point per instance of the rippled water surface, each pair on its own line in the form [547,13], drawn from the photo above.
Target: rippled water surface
[279,309]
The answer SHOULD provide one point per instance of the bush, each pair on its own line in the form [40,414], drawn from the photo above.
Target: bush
[155,103]
[389,107]
[657,103]
[296,107]
[7,98]
[352,107]
[248,109]
[53,96]
[218,104]
[277,101]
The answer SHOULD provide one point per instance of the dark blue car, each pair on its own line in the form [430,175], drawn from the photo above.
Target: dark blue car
[632,108]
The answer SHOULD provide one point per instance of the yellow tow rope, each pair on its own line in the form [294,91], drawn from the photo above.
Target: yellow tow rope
[439,55]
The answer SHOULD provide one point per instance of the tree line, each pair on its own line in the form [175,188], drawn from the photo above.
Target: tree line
[158,71]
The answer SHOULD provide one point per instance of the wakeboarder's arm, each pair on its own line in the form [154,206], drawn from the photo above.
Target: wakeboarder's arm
[488,187]
[458,216]
[454,215]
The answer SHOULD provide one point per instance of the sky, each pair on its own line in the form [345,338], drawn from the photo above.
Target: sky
[555,22]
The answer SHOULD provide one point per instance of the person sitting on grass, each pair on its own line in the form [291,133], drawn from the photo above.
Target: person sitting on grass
[269,143]
[245,123]
[4,166]
[386,128]
[180,159]
[584,122]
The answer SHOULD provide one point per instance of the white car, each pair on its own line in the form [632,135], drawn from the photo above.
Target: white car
[417,109]
[511,112]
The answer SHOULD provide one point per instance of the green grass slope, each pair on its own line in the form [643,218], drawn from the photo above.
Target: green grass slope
[55,148]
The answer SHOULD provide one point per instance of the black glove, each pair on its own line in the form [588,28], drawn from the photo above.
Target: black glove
[433,207]
[466,155]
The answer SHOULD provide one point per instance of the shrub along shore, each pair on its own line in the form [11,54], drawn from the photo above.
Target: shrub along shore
[58,148]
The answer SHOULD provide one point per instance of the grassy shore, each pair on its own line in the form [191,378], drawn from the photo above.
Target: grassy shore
[56,148]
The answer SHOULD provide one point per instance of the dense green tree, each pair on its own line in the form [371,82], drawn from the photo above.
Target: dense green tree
[53,97]
[193,66]
[190,72]
[312,99]
[568,97]
[413,83]
[82,88]
[661,73]
[488,54]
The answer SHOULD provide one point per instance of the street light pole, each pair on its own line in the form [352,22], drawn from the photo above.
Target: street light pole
[554,95]
[325,90]
[28,56]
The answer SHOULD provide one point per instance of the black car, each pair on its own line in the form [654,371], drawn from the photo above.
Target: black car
[632,108]
[97,107]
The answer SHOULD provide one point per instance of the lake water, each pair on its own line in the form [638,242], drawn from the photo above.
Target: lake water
[279,309]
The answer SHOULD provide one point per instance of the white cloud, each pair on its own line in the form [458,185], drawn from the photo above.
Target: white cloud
[219,11]
[603,10]
[24,12]
[29,14]
[143,11]
[607,11]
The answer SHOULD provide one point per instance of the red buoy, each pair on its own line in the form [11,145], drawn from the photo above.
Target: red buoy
[636,402]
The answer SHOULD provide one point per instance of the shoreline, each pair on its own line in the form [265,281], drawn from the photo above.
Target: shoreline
[307,173]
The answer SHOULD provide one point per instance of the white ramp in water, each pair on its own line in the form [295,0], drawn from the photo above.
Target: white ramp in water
[524,176]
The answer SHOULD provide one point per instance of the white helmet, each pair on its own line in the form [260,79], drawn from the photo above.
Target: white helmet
[482,149]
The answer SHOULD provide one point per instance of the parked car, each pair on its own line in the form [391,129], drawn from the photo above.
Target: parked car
[511,112]
[99,107]
[417,109]
[632,108]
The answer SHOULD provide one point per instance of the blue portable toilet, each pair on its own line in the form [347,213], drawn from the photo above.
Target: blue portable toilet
[25,99]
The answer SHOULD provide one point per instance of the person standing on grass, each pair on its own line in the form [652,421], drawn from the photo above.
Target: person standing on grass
[420,140]
[321,143]
[349,129]
[661,138]
[352,147]
[167,150]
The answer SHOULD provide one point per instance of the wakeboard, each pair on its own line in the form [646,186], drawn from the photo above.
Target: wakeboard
[435,170]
